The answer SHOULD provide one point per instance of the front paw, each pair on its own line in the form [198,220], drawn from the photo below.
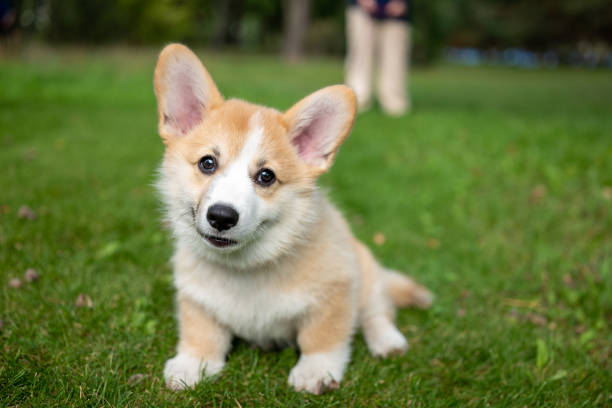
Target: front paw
[184,371]
[319,372]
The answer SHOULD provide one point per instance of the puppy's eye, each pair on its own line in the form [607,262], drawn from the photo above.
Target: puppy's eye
[207,164]
[265,177]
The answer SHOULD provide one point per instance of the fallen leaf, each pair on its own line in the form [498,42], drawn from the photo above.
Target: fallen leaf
[607,193]
[135,379]
[379,238]
[26,212]
[433,243]
[30,275]
[568,280]
[83,300]
[537,319]
[537,193]
[461,312]
[15,283]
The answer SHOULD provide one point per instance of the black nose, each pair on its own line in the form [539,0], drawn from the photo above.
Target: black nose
[222,217]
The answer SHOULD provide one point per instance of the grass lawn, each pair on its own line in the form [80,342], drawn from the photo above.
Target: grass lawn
[496,193]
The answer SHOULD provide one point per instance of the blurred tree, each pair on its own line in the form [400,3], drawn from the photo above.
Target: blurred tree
[228,15]
[298,26]
[297,14]
[140,21]
[433,23]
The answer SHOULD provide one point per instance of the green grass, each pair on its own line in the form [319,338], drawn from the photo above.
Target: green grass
[496,193]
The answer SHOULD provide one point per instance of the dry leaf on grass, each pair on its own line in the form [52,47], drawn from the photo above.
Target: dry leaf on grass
[379,238]
[537,193]
[30,275]
[568,280]
[26,212]
[136,378]
[83,300]
[433,243]
[537,319]
[15,283]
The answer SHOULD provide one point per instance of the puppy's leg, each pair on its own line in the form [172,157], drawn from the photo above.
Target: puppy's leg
[324,338]
[376,310]
[390,289]
[376,320]
[203,344]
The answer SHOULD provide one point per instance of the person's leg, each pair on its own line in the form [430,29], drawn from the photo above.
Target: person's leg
[394,47]
[360,29]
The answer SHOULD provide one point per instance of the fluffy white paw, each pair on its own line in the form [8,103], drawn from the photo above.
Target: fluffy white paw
[319,372]
[184,371]
[386,342]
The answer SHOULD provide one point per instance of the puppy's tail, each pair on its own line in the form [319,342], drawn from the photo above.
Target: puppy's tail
[405,292]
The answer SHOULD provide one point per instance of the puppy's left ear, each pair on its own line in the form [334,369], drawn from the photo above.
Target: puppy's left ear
[185,92]
[319,123]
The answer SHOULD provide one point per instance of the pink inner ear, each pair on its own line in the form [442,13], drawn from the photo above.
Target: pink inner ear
[184,109]
[313,139]
[307,144]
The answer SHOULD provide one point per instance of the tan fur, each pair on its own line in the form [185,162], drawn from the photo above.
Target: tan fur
[405,292]
[289,118]
[200,334]
[321,283]
[330,323]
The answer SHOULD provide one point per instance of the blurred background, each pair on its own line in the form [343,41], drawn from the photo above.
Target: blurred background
[509,32]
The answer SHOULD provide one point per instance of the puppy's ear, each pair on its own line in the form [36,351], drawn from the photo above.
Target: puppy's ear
[185,91]
[319,123]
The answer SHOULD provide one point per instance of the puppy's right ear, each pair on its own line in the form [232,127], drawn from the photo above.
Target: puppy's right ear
[185,92]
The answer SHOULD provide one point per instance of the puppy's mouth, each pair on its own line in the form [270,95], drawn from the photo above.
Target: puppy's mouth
[220,242]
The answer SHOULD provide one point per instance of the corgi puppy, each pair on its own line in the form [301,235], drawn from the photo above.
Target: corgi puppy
[261,253]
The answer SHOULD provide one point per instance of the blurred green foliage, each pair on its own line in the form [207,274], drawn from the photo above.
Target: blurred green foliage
[139,21]
[258,24]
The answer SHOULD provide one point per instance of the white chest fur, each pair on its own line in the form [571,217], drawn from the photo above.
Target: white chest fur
[251,305]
